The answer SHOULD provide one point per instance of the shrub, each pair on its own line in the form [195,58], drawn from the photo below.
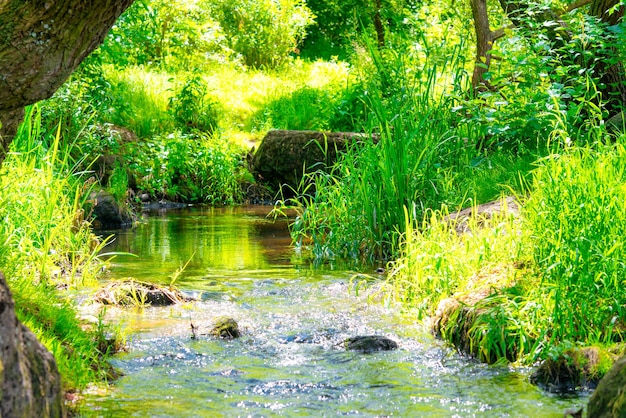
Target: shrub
[264,32]
[194,168]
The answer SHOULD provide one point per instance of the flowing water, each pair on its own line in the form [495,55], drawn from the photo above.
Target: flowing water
[294,316]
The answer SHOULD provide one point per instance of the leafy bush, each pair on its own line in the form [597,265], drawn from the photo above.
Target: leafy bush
[193,168]
[192,108]
[264,32]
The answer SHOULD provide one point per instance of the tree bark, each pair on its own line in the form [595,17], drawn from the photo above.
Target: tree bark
[484,43]
[378,25]
[41,43]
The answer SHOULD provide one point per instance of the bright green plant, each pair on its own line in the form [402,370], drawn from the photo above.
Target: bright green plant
[192,108]
[194,168]
[140,101]
[118,183]
[46,245]
[358,209]
[577,218]
[303,109]
[264,32]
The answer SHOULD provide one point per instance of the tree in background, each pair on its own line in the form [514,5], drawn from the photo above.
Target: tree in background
[573,39]
[187,33]
[340,23]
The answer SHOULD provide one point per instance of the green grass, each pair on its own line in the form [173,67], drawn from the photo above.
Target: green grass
[524,288]
[578,221]
[46,245]
[409,161]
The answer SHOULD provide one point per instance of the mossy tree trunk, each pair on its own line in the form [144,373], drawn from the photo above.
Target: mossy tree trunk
[41,43]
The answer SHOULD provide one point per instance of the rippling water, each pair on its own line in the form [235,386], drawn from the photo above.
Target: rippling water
[294,316]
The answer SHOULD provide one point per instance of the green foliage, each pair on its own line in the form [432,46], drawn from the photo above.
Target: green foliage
[341,24]
[176,34]
[264,32]
[542,78]
[140,102]
[193,168]
[45,245]
[358,210]
[183,34]
[303,109]
[118,183]
[191,107]
[576,215]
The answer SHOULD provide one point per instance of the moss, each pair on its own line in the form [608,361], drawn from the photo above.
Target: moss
[609,398]
[226,328]
[573,369]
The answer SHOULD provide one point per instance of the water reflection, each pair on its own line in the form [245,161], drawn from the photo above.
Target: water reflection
[216,240]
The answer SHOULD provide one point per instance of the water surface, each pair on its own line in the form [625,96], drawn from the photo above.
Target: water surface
[294,316]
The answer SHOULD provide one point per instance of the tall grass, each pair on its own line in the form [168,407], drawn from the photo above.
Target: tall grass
[46,245]
[140,99]
[523,288]
[405,163]
[578,220]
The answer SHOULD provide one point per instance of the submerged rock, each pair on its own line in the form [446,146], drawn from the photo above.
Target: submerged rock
[226,328]
[370,343]
[132,292]
[609,398]
[30,384]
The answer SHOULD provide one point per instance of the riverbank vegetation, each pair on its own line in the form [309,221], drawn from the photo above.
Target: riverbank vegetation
[180,91]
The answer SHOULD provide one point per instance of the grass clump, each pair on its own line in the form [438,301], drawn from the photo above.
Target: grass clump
[578,221]
[193,168]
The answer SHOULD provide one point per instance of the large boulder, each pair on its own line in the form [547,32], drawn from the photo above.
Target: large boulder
[30,384]
[609,398]
[284,156]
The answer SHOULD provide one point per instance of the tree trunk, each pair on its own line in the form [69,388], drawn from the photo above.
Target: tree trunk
[612,76]
[378,25]
[484,43]
[41,43]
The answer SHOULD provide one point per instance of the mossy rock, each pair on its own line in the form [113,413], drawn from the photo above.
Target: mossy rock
[609,398]
[575,369]
[285,156]
[370,343]
[226,328]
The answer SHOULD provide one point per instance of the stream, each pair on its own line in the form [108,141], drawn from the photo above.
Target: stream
[294,316]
